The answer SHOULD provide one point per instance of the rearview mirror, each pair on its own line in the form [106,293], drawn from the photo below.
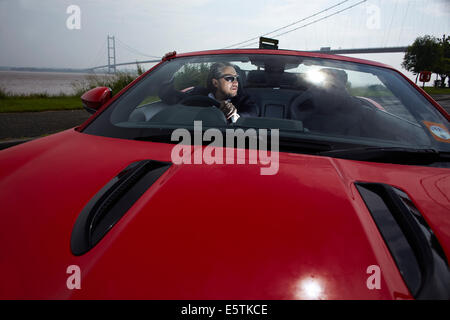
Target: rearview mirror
[95,98]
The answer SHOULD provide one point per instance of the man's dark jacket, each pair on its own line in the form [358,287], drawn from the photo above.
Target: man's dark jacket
[242,101]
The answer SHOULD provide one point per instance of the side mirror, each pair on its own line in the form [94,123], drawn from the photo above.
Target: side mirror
[95,98]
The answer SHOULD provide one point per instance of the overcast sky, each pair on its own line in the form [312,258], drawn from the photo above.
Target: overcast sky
[34,33]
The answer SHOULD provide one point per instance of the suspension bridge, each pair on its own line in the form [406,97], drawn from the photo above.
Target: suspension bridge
[395,14]
[112,65]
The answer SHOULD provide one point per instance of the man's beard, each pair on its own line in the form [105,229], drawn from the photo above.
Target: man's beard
[230,95]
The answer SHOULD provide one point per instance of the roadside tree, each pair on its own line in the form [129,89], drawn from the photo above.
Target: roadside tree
[443,67]
[424,54]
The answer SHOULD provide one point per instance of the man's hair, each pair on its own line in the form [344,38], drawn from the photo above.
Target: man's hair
[215,72]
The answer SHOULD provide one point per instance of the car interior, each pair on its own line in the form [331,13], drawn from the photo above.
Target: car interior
[289,101]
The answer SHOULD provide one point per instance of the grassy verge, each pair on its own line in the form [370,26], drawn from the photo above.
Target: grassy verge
[433,90]
[36,103]
[366,92]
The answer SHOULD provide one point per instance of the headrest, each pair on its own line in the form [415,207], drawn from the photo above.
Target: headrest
[288,79]
[340,77]
[256,77]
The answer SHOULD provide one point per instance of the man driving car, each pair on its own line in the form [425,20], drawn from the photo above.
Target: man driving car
[222,85]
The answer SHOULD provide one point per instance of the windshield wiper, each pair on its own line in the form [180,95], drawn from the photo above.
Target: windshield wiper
[296,145]
[164,138]
[163,135]
[397,155]
[286,144]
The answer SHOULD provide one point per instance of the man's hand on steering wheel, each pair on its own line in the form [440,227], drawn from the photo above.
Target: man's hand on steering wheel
[228,109]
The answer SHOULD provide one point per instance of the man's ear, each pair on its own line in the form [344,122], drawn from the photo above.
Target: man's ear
[215,83]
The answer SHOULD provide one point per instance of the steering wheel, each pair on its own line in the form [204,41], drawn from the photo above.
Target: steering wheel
[199,101]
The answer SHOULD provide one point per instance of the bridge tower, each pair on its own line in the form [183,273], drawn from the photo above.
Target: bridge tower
[111,54]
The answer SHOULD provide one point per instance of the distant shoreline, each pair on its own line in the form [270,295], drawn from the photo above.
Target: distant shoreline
[27,69]
[21,83]
[61,70]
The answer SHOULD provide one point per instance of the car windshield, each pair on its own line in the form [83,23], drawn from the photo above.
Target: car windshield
[306,98]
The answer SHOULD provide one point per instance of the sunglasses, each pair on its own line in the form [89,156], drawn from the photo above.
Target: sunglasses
[230,78]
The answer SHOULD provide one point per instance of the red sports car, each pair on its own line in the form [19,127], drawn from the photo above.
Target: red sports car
[236,174]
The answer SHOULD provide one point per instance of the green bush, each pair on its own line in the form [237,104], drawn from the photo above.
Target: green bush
[3,93]
[194,75]
[140,69]
[116,82]
[8,95]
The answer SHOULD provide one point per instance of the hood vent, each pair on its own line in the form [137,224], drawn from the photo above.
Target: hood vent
[112,202]
[413,245]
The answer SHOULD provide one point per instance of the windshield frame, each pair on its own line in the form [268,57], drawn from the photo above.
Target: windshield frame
[105,111]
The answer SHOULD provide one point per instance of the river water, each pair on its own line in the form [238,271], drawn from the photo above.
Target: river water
[52,83]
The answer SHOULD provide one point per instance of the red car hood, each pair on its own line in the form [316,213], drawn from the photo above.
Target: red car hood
[202,231]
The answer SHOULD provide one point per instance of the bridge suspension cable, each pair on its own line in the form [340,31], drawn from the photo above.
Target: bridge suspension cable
[287,26]
[135,51]
[317,20]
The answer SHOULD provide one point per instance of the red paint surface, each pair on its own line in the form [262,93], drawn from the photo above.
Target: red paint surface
[202,231]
